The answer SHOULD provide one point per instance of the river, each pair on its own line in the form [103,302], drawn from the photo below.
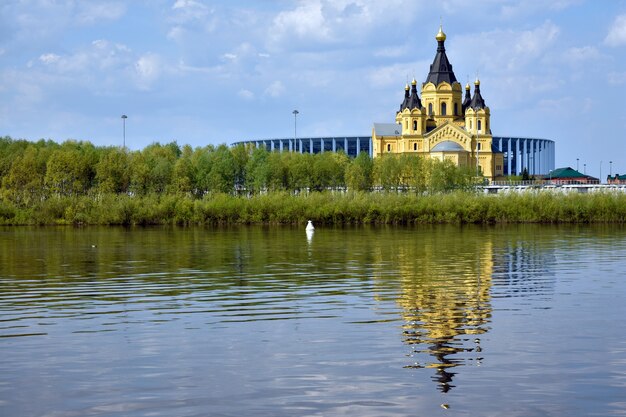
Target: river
[522,320]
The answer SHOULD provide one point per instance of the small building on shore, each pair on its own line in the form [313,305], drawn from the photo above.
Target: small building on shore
[616,180]
[568,175]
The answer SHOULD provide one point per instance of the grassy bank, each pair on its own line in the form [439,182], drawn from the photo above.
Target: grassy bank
[322,208]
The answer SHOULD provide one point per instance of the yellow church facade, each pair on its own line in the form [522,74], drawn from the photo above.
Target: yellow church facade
[442,124]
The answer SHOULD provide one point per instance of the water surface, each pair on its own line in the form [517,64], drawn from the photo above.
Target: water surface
[442,320]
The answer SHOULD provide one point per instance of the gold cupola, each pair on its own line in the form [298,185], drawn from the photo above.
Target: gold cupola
[440,35]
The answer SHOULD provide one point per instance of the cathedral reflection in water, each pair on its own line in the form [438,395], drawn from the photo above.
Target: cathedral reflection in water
[448,286]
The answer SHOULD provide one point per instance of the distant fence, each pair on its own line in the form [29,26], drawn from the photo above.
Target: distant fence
[493,188]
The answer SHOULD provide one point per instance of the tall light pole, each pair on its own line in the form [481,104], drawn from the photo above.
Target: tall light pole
[610,168]
[576,164]
[585,169]
[295,128]
[124,117]
[600,172]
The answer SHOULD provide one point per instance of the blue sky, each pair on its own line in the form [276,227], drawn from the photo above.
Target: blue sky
[208,72]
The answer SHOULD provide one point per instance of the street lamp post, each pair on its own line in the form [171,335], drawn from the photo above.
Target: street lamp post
[600,172]
[124,117]
[295,128]
[585,169]
[576,164]
[610,168]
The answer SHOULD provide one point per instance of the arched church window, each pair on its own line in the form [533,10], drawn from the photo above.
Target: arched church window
[414,124]
[456,109]
[470,123]
[430,109]
[443,109]
[415,146]
[479,125]
[389,147]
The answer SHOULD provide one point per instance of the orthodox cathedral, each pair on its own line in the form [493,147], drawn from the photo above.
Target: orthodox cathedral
[443,124]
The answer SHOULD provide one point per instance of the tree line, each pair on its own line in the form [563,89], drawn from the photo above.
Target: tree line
[35,171]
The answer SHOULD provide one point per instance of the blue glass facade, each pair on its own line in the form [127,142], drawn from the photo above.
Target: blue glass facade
[537,155]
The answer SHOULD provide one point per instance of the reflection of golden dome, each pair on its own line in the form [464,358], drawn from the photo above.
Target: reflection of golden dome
[414,82]
[440,35]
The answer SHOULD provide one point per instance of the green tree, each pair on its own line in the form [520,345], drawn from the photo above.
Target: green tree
[299,167]
[223,170]
[9,151]
[359,172]
[70,170]
[277,172]
[152,168]
[24,183]
[388,171]
[257,172]
[113,171]
[241,154]
[201,162]
[183,176]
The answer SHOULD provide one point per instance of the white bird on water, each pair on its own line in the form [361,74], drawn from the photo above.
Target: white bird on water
[309,226]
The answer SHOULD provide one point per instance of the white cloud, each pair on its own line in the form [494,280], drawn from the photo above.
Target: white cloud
[147,70]
[505,9]
[333,21]
[509,50]
[617,78]
[27,89]
[520,9]
[392,51]
[275,89]
[578,55]
[92,12]
[306,21]
[617,32]
[49,58]
[241,54]
[190,10]
[564,105]
[176,33]
[100,55]
[534,42]
[183,67]
[395,75]
[245,94]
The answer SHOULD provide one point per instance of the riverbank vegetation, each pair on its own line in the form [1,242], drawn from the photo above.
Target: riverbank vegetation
[79,183]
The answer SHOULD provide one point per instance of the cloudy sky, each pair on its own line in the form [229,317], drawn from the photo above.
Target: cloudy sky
[209,71]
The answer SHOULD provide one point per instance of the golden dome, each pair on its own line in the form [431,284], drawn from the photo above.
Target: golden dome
[477,82]
[413,82]
[407,86]
[440,35]
[467,86]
